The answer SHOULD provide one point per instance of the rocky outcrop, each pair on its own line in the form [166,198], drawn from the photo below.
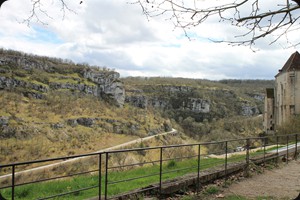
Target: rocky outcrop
[105,84]
[168,97]
[26,62]
[177,89]
[109,84]
[4,121]
[196,105]
[137,101]
[258,97]
[159,102]
[10,83]
[88,89]
[187,101]
[249,110]
[116,126]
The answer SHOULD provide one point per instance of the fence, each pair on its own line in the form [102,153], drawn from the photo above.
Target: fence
[107,174]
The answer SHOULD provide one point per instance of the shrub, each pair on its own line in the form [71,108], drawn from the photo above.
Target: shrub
[171,164]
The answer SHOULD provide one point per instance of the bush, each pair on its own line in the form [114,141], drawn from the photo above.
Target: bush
[171,164]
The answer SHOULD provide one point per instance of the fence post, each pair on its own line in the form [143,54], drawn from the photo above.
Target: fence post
[13,183]
[100,175]
[198,176]
[287,149]
[296,147]
[264,150]
[226,151]
[277,143]
[106,175]
[247,157]
[277,151]
[160,169]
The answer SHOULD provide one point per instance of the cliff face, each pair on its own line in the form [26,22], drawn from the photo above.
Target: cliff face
[37,76]
[189,104]
[208,101]
[168,97]
[108,85]
[57,99]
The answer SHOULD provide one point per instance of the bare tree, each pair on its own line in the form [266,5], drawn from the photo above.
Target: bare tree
[38,12]
[261,18]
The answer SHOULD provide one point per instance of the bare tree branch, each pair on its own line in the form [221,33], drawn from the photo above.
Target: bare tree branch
[1,2]
[37,11]
[277,21]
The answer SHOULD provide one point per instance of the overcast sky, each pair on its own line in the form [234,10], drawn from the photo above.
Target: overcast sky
[116,34]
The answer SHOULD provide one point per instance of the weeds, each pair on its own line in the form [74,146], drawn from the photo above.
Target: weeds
[211,190]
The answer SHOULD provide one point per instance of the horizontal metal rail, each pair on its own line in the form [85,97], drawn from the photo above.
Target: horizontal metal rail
[131,179]
[68,193]
[49,179]
[106,166]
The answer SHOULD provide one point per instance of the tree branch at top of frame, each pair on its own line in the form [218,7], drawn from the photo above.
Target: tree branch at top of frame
[277,21]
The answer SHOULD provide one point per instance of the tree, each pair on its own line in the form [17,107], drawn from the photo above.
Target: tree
[260,18]
[37,10]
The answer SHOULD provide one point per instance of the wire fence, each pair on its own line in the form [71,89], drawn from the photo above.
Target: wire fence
[111,173]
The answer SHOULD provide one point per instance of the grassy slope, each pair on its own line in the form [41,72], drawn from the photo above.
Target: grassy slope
[226,97]
[34,137]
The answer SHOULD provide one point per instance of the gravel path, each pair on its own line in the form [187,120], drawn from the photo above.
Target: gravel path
[278,183]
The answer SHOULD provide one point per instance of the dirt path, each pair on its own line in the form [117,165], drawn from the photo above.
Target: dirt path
[49,166]
[277,183]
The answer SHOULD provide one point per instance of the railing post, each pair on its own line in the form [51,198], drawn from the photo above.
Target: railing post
[198,175]
[106,175]
[226,151]
[264,150]
[296,147]
[160,169]
[13,183]
[277,143]
[277,150]
[100,175]
[247,157]
[287,149]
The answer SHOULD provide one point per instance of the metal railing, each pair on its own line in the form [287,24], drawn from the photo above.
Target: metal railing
[119,171]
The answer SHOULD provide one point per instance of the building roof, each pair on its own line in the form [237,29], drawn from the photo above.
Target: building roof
[293,63]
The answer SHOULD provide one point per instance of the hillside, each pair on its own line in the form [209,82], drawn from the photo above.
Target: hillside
[50,107]
[205,99]
[202,106]
[53,107]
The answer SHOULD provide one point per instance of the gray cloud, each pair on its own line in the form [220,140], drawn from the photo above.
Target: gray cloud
[115,34]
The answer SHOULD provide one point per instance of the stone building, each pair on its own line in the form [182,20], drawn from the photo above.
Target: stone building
[283,101]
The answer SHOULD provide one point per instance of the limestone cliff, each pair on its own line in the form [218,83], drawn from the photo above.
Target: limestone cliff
[200,99]
[39,75]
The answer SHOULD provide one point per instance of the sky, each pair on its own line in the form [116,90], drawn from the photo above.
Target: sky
[116,34]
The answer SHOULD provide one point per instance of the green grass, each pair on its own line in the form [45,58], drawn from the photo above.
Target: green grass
[211,190]
[171,169]
[34,191]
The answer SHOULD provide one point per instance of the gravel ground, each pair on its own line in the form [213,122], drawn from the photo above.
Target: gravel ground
[277,183]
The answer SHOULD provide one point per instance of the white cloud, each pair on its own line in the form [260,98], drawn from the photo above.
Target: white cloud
[115,34]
